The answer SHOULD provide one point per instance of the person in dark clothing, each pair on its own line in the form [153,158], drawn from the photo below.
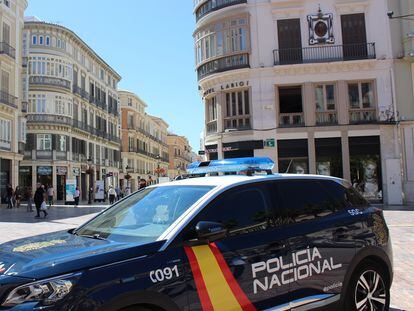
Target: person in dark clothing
[39,198]
[9,196]
[142,183]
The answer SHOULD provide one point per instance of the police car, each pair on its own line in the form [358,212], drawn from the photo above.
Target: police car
[237,242]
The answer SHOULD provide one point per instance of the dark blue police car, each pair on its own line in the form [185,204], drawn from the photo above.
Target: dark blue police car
[239,242]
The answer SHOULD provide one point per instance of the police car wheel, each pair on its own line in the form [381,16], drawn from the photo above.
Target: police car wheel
[369,289]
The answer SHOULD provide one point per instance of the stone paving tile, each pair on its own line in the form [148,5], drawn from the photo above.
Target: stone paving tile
[17,224]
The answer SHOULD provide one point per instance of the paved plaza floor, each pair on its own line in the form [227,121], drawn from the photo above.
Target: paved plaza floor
[17,223]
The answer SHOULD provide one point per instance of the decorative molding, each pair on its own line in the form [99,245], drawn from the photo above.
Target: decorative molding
[349,7]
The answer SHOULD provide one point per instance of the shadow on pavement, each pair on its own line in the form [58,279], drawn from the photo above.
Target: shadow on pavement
[20,215]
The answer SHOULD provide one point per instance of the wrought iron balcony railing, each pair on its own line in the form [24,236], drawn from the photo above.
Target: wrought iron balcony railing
[7,99]
[223,64]
[324,54]
[7,49]
[81,92]
[49,81]
[360,116]
[326,117]
[291,119]
[48,118]
[213,5]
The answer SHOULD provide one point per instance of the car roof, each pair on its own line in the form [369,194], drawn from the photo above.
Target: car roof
[228,180]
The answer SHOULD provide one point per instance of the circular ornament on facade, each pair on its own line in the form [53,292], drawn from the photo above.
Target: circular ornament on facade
[321,29]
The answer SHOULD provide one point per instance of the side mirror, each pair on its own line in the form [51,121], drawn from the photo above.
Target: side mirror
[210,231]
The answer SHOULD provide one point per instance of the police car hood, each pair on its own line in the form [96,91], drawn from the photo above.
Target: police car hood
[61,252]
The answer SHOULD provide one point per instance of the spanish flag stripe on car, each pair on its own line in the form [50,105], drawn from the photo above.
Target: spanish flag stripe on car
[213,276]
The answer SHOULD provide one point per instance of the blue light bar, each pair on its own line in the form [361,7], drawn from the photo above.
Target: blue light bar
[263,164]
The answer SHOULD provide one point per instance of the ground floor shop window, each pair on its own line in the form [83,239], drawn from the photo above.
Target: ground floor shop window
[329,157]
[5,178]
[293,156]
[25,179]
[365,161]
[44,175]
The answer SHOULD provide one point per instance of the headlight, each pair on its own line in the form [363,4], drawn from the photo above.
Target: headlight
[46,291]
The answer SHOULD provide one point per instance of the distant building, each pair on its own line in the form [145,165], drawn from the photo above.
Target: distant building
[309,84]
[12,122]
[70,97]
[179,154]
[144,142]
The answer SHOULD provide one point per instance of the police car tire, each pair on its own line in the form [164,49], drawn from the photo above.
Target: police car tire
[367,268]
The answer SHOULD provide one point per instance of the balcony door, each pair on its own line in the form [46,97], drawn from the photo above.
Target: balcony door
[290,41]
[354,36]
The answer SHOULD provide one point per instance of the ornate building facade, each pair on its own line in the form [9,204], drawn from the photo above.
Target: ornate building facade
[70,98]
[180,155]
[12,122]
[308,83]
[144,143]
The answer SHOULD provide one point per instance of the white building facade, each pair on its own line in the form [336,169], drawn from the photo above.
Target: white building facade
[307,83]
[70,97]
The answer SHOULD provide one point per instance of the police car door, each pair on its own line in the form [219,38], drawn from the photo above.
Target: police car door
[240,271]
[322,245]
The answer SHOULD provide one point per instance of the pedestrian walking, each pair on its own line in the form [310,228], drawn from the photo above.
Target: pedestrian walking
[118,193]
[112,195]
[77,196]
[9,196]
[17,196]
[39,199]
[29,198]
[50,194]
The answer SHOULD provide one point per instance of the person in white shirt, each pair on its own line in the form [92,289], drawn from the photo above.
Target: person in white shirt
[77,196]
[112,195]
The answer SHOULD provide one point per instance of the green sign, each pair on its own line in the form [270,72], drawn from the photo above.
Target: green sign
[270,143]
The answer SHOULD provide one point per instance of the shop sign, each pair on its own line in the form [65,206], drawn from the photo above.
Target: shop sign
[61,170]
[211,151]
[270,143]
[44,170]
[76,171]
[226,149]
[25,169]
[226,86]
[201,152]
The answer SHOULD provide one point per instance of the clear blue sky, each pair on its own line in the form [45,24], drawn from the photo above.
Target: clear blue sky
[149,43]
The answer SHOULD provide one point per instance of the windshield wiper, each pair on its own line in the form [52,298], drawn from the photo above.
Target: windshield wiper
[95,236]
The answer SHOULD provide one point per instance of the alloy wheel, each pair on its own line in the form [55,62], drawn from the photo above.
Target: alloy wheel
[370,292]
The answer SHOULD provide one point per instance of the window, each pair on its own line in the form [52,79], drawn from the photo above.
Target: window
[361,95]
[303,200]
[34,40]
[224,38]
[251,204]
[41,40]
[325,97]
[290,106]
[47,40]
[61,143]
[7,3]
[6,33]
[44,142]
[237,110]
[5,134]
[5,78]
[129,102]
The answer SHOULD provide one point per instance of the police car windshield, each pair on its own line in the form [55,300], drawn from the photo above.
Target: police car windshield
[145,215]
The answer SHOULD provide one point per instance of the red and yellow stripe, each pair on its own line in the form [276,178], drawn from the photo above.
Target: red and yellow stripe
[216,286]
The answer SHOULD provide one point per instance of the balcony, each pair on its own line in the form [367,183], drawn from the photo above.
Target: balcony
[211,127]
[5,145]
[81,92]
[49,81]
[324,54]
[213,5]
[223,64]
[8,100]
[49,118]
[7,49]
[361,116]
[291,119]
[326,118]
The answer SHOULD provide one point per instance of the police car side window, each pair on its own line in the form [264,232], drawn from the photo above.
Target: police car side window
[242,210]
[302,200]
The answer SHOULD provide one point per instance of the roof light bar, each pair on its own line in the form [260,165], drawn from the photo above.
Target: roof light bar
[249,165]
